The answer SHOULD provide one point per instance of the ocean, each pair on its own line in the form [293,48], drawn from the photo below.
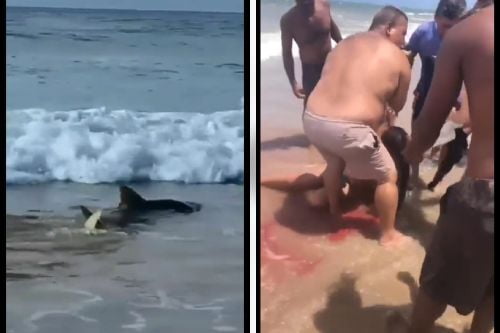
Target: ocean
[152,100]
[349,17]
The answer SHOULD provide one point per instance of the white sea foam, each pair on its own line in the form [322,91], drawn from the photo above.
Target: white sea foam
[99,145]
[271,41]
[139,322]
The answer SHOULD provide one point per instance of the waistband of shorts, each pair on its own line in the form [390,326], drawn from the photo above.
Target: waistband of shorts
[337,121]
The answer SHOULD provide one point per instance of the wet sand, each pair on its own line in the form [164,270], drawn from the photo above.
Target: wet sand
[317,276]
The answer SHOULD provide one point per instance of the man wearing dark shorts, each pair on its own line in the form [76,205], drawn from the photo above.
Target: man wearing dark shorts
[458,269]
[311,26]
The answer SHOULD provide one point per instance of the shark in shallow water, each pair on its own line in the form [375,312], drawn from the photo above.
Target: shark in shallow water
[131,209]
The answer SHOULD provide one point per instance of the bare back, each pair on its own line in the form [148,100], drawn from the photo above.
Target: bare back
[478,75]
[363,74]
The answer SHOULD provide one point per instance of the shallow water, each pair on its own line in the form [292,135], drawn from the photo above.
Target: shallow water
[154,61]
[182,273]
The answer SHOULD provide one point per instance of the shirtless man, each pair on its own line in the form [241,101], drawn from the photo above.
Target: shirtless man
[346,112]
[310,24]
[458,269]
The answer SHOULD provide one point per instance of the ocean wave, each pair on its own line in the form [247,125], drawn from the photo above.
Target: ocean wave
[106,146]
[270,44]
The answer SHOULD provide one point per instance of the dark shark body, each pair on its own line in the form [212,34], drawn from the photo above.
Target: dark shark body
[132,207]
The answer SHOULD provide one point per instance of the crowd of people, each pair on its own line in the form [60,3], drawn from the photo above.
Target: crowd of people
[352,95]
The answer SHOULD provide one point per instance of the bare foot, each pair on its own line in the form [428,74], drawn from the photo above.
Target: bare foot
[395,323]
[393,238]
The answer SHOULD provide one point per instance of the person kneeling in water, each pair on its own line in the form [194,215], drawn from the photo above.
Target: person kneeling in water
[362,192]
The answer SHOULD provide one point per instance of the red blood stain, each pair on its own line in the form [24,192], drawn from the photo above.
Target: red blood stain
[341,235]
[276,258]
[305,267]
[356,222]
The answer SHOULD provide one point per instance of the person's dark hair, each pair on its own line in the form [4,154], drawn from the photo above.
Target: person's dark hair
[387,16]
[451,9]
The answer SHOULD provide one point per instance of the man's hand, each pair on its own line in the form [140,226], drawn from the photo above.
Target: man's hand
[411,155]
[416,95]
[391,115]
[299,92]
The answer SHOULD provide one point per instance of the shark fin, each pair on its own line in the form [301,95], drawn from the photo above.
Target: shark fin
[129,198]
[94,221]
[86,212]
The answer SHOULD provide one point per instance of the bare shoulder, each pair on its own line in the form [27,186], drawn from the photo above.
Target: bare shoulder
[473,30]
[402,60]
[287,18]
[325,4]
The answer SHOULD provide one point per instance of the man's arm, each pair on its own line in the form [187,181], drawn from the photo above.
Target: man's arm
[398,100]
[445,87]
[461,114]
[411,49]
[411,56]
[286,53]
[335,31]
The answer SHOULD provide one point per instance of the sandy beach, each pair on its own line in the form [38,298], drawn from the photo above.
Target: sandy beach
[320,277]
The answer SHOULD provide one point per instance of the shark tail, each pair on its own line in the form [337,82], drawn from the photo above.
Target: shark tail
[196,206]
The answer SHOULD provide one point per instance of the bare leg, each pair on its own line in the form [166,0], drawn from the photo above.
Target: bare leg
[386,203]
[332,178]
[293,182]
[425,313]
[415,182]
[484,314]
[415,175]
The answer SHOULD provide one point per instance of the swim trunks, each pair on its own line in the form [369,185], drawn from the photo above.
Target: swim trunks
[458,268]
[311,73]
[357,144]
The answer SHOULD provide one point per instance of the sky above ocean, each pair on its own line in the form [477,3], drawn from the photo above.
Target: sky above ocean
[195,5]
[188,5]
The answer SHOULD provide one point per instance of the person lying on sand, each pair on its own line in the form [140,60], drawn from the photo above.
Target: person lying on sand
[355,192]
[346,112]
[310,24]
[425,42]
[458,268]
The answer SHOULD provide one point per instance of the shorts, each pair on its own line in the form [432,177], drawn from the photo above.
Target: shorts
[363,152]
[458,268]
[311,73]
